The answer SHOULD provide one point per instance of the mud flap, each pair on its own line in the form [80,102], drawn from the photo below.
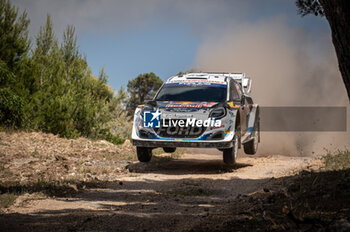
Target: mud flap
[253,124]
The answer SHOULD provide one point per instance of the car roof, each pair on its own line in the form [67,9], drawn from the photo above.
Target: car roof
[203,77]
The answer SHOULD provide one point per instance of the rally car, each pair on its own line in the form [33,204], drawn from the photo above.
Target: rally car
[203,110]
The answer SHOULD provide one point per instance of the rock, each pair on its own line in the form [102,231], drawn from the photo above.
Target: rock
[60,157]
[127,144]
[73,186]
[285,209]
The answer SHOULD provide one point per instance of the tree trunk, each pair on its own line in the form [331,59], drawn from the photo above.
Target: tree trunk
[337,13]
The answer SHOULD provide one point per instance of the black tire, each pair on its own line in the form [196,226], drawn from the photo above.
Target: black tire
[169,149]
[251,147]
[230,154]
[144,154]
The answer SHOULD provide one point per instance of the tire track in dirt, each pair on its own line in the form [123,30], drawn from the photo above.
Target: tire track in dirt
[165,194]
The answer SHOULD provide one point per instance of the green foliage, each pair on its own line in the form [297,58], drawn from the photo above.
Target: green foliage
[52,89]
[142,88]
[339,160]
[69,100]
[115,139]
[11,108]
[121,123]
[13,31]
[14,47]
[6,76]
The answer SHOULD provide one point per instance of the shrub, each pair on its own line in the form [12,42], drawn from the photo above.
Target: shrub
[11,108]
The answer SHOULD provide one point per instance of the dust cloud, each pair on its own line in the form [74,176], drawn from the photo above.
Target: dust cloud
[289,67]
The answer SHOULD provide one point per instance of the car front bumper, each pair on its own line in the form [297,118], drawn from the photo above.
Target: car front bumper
[206,144]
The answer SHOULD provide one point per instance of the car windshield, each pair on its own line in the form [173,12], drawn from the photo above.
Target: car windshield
[192,93]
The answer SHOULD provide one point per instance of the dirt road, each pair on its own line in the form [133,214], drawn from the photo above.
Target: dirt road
[163,195]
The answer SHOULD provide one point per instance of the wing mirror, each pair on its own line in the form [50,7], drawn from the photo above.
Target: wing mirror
[152,103]
[247,85]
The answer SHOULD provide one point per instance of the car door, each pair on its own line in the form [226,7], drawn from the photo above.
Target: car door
[236,95]
[244,108]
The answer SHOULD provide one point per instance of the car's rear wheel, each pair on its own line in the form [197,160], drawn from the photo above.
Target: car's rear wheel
[169,149]
[230,154]
[144,154]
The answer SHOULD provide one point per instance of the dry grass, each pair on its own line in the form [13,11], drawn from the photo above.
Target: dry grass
[338,160]
[6,200]
[39,162]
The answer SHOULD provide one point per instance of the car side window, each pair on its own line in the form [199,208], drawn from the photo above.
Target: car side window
[239,90]
[235,96]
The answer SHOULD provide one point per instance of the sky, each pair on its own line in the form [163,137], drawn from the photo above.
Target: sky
[130,37]
[291,59]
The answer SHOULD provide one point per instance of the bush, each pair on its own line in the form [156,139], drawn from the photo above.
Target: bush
[52,88]
[338,160]
[115,139]
[11,108]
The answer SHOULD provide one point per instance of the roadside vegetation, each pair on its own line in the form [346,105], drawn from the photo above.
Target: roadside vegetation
[45,163]
[40,163]
[338,160]
[48,86]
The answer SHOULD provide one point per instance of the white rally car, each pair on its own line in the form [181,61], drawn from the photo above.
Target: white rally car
[204,110]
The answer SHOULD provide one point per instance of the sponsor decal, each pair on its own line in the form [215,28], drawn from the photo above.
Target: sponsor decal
[196,84]
[185,104]
[197,81]
[191,122]
[218,127]
[232,105]
[177,116]
[151,119]
[190,104]
[181,110]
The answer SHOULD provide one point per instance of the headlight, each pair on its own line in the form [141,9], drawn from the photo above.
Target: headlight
[218,113]
[146,108]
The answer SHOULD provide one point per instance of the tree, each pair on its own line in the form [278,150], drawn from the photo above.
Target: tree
[69,48]
[14,47]
[70,101]
[46,38]
[337,13]
[52,88]
[143,87]
[14,43]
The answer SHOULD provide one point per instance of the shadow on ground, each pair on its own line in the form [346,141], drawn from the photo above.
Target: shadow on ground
[168,166]
[306,202]
[139,204]
[132,206]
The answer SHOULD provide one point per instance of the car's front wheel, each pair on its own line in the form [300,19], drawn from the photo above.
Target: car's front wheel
[230,154]
[144,154]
